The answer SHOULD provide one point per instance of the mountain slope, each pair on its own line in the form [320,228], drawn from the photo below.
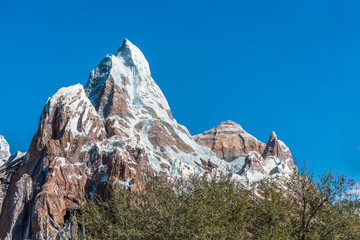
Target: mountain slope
[133,107]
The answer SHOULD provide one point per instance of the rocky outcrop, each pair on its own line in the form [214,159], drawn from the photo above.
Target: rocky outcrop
[277,149]
[9,165]
[64,161]
[250,159]
[67,122]
[229,141]
[6,173]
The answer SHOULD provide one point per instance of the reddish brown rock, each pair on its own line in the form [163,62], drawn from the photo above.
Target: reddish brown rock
[6,173]
[64,189]
[67,123]
[274,147]
[250,159]
[162,134]
[229,141]
[62,168]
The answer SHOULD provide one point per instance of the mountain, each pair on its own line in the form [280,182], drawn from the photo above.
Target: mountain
[112,131]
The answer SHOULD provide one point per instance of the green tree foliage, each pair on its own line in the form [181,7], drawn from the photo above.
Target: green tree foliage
[326,209]
[215,207]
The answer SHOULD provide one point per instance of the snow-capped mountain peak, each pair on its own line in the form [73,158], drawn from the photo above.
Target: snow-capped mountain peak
[133,56]
[122,85]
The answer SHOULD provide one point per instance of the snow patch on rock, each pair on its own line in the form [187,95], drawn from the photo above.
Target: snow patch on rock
[4,150]
[71,103]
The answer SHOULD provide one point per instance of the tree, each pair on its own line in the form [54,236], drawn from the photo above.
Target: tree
[323,209]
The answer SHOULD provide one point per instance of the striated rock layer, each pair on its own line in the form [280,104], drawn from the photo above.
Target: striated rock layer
[229,141]
[111,132]
[251,159]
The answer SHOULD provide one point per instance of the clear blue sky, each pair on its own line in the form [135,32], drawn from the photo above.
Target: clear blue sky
[288,66]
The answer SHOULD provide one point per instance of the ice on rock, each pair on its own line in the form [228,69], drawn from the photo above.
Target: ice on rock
[4,150]
[74,102]
[133,56]
[14,158]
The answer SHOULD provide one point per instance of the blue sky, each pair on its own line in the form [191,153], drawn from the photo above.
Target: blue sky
[287,66]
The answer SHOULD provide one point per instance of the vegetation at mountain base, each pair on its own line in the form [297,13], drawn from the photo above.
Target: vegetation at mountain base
[215,207]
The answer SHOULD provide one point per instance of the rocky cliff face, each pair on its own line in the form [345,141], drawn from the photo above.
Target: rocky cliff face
[251,159]
[111,132]
[9,165]
[229,141]
[69,159]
